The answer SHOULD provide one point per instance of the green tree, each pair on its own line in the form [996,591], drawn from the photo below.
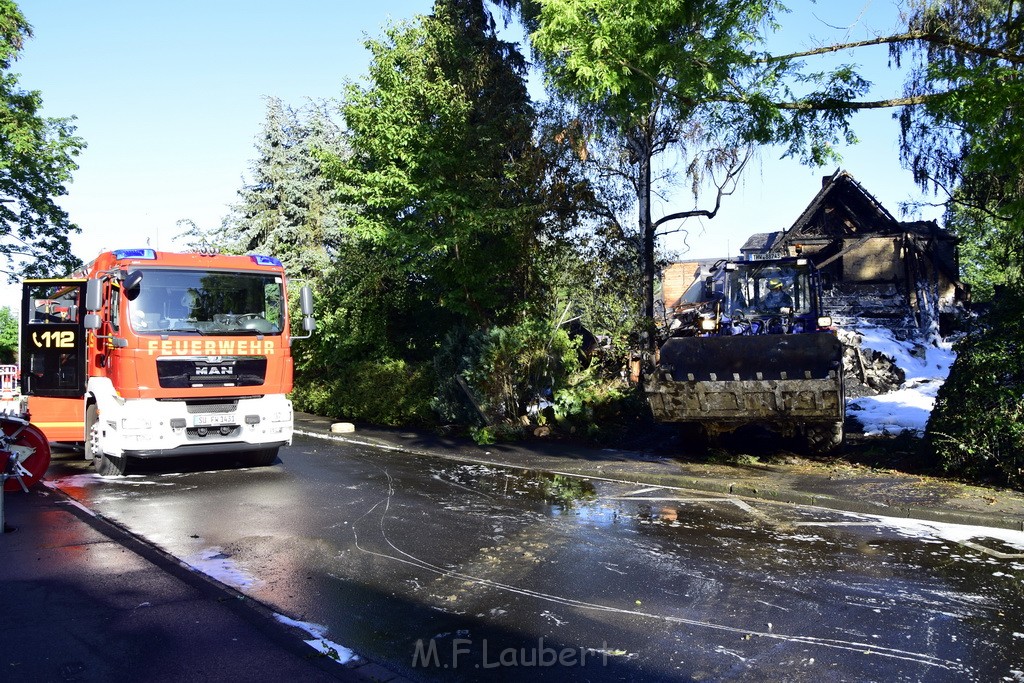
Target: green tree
[965,137]
[458,200]
[659,75]
[287,209]
[8,336]
[590,268]
[977,426]
[377,331]
[445,208]
[987,258]
[36,161]
[964,140]
[444,170]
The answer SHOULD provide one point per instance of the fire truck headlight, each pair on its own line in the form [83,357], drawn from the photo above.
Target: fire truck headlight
[134,424]
[708,324]
[824,321]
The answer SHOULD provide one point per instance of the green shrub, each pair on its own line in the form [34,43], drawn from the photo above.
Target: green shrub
[505,368]
[483,436]
[587,400]
[518,363]
[490,435]
[458,350]
[383,392]
[976,429]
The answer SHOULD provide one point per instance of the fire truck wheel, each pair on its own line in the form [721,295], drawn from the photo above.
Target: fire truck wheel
[91,435]
[261,458]
[30,438]
[106,465]
[109,465]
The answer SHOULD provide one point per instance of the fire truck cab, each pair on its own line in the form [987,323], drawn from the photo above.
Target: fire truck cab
[148,354]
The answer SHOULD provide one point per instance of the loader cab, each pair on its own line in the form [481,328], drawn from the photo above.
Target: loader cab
[757,296]
[768,289]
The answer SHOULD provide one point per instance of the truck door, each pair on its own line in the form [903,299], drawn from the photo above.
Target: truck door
[53,339]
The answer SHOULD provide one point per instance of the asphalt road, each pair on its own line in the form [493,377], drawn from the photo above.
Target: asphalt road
[448,571]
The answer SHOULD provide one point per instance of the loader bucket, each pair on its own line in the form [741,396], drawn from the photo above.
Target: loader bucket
[780,381]
[751,357]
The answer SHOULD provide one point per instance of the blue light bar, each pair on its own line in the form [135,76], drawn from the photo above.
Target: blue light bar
[265,260]
[148,254]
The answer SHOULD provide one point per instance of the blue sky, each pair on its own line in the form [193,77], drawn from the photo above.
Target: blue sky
[170,97]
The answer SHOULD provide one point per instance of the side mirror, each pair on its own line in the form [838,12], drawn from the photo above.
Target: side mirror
[306,306]
[133,280]
[92,321]
[94,295]
[306,301]
[131,283]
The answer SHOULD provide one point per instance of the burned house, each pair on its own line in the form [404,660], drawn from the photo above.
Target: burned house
[677,280]
[900,274]
[904,275]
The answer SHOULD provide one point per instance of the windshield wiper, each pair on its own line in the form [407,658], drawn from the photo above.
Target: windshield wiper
[239,331]
[176,330]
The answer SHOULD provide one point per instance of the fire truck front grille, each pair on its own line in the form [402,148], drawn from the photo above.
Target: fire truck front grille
[180,372]
[199,408]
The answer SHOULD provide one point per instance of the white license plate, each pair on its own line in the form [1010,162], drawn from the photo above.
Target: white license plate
[207,420]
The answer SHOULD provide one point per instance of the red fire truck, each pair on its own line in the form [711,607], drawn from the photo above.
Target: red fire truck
[149,354]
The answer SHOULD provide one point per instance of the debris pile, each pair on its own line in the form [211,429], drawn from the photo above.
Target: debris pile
[892,380]
[868,371]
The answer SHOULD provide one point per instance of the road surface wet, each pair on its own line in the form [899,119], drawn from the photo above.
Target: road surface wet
[454,571]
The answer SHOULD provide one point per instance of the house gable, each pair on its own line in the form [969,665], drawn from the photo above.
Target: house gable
[842,209]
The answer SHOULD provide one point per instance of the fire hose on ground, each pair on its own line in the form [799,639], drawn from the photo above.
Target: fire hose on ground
[24,457]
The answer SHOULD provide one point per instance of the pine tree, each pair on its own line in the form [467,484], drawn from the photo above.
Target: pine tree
[287,209]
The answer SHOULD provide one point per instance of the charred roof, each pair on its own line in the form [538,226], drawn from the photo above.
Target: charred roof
[843,209]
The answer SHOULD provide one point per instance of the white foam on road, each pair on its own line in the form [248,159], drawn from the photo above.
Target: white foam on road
[319,642]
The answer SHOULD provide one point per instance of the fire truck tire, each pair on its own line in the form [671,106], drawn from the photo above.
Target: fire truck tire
[91,435]
[261,458]
[37,462]
[106,465]
[109,465]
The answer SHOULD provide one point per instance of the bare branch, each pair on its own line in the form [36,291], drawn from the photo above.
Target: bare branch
[909,37]
[828,104]
[824,104]
[673,232]
[724,189]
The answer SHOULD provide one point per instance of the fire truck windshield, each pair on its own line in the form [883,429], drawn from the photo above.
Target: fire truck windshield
[172,301]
